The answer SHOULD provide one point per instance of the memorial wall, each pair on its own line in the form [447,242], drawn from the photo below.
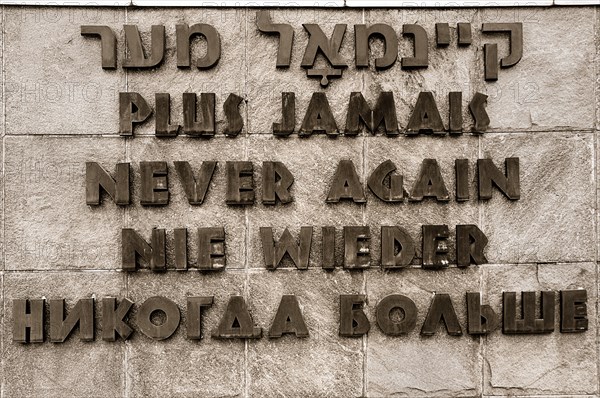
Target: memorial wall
[299,202]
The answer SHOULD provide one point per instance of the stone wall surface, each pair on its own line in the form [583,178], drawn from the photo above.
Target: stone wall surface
[61,110]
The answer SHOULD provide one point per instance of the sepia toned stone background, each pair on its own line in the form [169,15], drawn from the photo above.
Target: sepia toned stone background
[60,110]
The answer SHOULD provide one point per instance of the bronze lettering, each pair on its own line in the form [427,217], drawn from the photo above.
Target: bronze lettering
[108,43]
[528,324]
[470,243]
[185,33]
[195,189]
[435,249]
[353,321]
[195,307]
[133,108]
[191,126]
[117,188]
[240,183]
[421,57]
[360,111]
[154,181]
[28,321]
[211,248]
[481,317]
[163,126]
[430,183]
[425,118]
[133,245]
[376,182]
[274,251]
[388,323]
[112,319]
[288,115]
[288,319]
[346,184]
[318,117]
[286,36]
[573,311]
[356,247]
[441,309]
[489,174]
[235,122]
[237,322]
[276,180]
[136,58]
[362,34]
[172,317]
[397,248]
[82,314]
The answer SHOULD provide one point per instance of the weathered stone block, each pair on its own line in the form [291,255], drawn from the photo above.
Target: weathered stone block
[214,212]
[450,68]
[323,364]
[48,224]
[266,82]
[554,218]
[407,153]
[550,87]
[178,366]
[54,80]
[415,365]
[556,363]
[228,76]
[73,368]
[313,164]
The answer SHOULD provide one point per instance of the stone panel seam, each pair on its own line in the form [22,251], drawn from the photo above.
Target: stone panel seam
[595,177]
[3,78]
[246,138]
[2,324]
[126,220]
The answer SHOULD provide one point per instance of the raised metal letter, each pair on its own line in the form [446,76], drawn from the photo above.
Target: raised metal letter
[430,183]
[213,45]
[276,180]
[393,238]
[288,319]
[136,58]
[356,247]
[353,321]
[346,184]
[360,111]
[82,314]
[361,40]
[96,177]
[112,319]
[396,327]
[435,249]
[28,321]
[133,108]
[489,174]
[573,311]
[171,321]
[133,245]
[205,127]
[481,317]
[274,251]
[240,183]
[318,117]
[441,309]
[194,315]
[421,58]
[108,42]
[286,36]
[237,322]
[211,248]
